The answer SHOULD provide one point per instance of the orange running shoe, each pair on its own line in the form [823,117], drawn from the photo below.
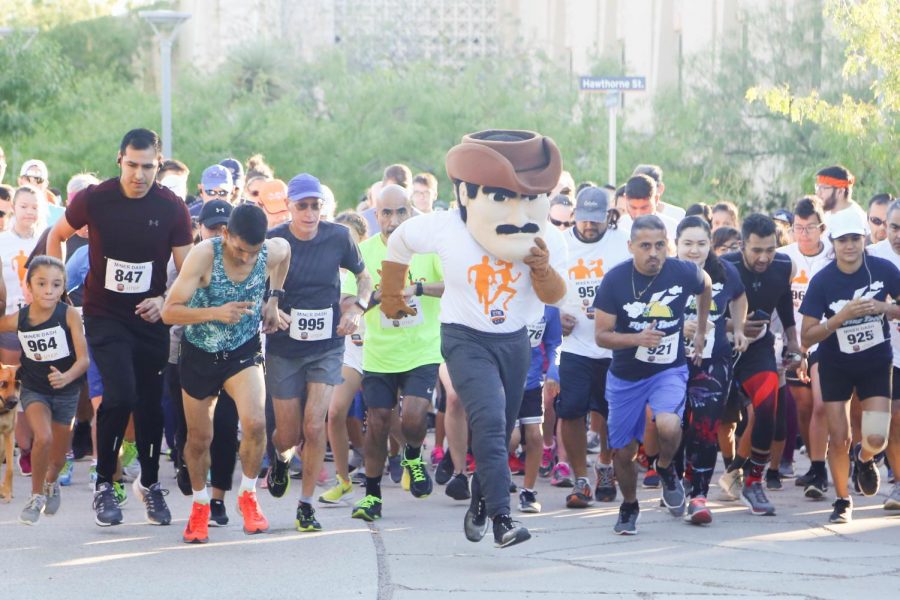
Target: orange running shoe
[197,529]
[254,520]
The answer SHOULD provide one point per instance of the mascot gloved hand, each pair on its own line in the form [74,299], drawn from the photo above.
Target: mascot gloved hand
[393,280]
[547,283]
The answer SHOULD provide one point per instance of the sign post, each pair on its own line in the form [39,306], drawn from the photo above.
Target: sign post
[613,88]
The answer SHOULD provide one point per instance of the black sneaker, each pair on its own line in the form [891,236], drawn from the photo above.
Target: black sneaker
[420,485]
[444,471]
[183,479]
[475,523]
[773,480]
[278,479]
[508,532]
[306,518]
[805,479]
[816,488]
[218,517]
[628,518]
[106,507]
[458,488]
[367,509]
[154,501]
[866,476]
[843,511]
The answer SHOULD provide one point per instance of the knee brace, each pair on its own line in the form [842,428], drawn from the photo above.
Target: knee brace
[875,423]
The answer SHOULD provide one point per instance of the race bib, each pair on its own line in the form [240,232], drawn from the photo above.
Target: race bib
[408,321]
[45,345]
[665,353]
[586,289]
[311,325]
[128,278]
[707,346]
[857,338]
[536,332]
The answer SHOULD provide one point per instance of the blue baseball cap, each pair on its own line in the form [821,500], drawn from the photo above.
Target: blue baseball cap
[237,170]
[216,176]
[303,186]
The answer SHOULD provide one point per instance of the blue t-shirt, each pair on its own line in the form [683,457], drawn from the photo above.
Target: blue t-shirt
[862,342]
[545,337]
[637,301]
[313,289]
[723,292]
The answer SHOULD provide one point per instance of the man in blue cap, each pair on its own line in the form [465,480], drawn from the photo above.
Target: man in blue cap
[303,363]
[215,184]
[236,169]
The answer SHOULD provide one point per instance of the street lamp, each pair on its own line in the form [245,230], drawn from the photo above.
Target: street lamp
[165,25]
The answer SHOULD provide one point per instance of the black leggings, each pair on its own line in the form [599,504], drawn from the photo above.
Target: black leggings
[224,446]
[707,392]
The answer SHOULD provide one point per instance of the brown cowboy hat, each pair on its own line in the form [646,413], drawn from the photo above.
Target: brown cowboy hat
[522,161]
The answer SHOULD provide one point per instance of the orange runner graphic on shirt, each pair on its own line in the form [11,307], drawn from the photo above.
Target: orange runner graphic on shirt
[491,283]
[801,277]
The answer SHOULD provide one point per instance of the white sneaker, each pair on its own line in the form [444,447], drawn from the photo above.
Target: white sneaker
[731,484]
[893,501]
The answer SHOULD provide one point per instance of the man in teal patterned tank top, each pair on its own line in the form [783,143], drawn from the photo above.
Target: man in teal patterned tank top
[220,296]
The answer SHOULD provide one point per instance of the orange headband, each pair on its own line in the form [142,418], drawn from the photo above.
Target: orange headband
[834,181]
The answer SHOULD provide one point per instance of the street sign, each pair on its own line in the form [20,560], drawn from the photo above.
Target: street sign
[591,83]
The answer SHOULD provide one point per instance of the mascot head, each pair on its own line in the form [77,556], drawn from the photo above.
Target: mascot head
[502,180]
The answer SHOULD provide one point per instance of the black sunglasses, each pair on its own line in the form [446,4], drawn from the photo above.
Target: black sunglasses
[562,223]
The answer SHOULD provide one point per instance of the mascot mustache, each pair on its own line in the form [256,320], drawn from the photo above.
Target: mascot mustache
[511,229]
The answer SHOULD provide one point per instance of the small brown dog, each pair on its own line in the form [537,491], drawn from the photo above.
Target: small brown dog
[9,399]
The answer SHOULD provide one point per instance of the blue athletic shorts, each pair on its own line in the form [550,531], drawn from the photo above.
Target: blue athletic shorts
[665,392]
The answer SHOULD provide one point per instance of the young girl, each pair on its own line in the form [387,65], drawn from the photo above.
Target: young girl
[54,359]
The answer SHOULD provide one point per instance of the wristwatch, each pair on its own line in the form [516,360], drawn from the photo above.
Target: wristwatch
[274,294]
[362,304]
[420,289]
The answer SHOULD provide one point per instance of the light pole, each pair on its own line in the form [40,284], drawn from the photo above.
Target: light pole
[165,24]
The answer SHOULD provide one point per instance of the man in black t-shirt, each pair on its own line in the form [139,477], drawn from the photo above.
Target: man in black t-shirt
[134,227]
[303,363]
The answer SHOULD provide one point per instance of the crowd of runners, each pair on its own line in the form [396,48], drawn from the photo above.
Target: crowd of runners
[632,344]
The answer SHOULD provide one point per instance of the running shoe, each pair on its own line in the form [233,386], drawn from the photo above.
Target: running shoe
[893,501]
[513,488]
[458,487]
[356,460]
[561,476]
[154,499]
[367,509]
[697,512]
[278,479]
[218,515]
[816,488]
[866,476]
[33,509]
[339,494]
[672,490]
[444,470]
[92,475]
[131,466]
[183,480]
[121,493]
[51,493]
[628,518]
[436,455]
[323,477]
[395,468]
[306,518]
[528,502]
[754,497]
[593,442]
[516,465]
[805,479]
[470,463]
[359,477]
[580,496]
[248,508]
[786,469]
[25,463]
[65,474]
[547,460]
[106,509]
[475,523]
[731,484]
[264,467]
[651,479]
[295,467]
[606,483]
[843,511]
[420,485]
[773,480]
[643,463]
[197,529]
[508,532]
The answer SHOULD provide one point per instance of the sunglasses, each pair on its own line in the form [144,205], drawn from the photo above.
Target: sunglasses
[301,206]
[562,223]
[876,222]
[219,193]
[35,179]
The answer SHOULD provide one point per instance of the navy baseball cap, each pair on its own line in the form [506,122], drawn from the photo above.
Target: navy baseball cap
[237,170]
[303,186]
[214,212]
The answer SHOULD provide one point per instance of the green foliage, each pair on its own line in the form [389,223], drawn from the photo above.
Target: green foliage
[47,14]
[107,44]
